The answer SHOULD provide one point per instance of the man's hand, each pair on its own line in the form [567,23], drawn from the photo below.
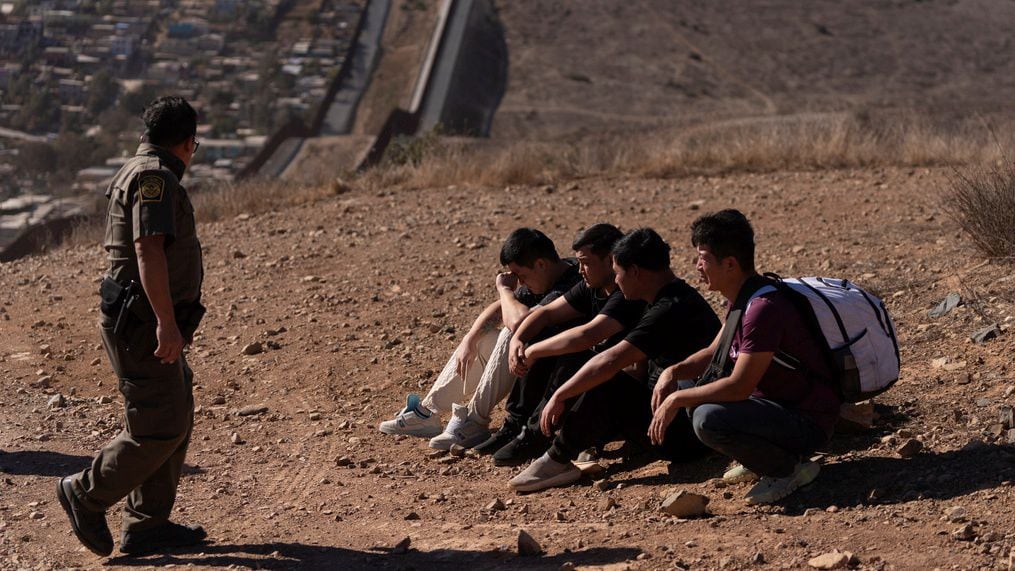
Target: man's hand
[516,358]
[465,354]
[551,415]
[507,280]
[662,418]
[170,343]
[665,386]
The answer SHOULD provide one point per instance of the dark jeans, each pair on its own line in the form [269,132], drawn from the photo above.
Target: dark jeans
[621,406]
[766,437]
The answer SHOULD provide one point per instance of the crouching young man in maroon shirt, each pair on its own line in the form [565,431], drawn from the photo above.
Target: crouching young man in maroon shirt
[766,416]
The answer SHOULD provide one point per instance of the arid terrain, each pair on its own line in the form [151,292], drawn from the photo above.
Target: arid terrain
[360,297]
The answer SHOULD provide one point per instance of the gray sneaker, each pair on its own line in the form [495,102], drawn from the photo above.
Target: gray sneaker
[545,472]
[461,430]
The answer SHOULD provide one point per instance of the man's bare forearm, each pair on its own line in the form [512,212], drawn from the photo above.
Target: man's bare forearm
[154,271]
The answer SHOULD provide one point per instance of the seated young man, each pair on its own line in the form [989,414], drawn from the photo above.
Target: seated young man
[479,366]
[605,316]
[764,415]
[676,323]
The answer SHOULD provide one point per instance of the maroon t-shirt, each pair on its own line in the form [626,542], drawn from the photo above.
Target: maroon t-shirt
[772,324]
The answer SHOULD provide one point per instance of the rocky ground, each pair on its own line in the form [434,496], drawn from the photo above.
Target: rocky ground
[358,299]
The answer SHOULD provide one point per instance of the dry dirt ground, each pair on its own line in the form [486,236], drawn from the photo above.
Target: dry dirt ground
[362,297]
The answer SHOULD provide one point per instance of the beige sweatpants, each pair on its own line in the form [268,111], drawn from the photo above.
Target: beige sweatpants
[487,379]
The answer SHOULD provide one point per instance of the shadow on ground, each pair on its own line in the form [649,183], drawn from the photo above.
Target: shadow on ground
[868,480]
[41,463]
[298,555]
[47,463]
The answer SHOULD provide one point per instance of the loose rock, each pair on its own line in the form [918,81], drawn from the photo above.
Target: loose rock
[57,401]
[253,409]
[253,348]
[911,448]
[833,560]
[495,506]
[685,504]
[527,546]
[402,546]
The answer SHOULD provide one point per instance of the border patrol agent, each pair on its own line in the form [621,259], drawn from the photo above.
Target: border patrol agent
[150,310]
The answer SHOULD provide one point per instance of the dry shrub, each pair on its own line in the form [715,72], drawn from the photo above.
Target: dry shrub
[982,201]
[762,144]
[253,196]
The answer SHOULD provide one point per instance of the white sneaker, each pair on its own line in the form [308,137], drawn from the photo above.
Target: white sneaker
[411,421]
[738,474]
[769,490]
[461,430]
[545,472]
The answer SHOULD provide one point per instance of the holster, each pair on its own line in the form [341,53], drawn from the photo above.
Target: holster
[128,306]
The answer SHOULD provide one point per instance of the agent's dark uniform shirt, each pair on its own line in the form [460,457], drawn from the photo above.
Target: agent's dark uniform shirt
[675,325]
[147,199]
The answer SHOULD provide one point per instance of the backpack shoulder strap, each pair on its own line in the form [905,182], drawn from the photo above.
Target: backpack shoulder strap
[719,366]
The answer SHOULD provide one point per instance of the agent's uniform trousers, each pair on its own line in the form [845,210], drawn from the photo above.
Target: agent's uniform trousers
[143,463]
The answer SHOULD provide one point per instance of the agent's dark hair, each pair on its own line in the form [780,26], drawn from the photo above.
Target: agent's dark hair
[599,238]
[169,121]
[643,248]
[526,245]
[726,233]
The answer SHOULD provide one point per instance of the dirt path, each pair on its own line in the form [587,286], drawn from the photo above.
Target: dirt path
[361,299]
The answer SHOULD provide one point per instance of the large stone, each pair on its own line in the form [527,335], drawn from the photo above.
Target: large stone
[57,401]
[253,348]
[911,448]
[1007,417]
[833,560]
[402,546]
[986,334]
[253,409]
[950,302]
[527,545]
[855,417]
[685,504]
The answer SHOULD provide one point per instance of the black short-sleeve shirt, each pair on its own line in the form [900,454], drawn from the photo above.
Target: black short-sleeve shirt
[588,301]
[675,325]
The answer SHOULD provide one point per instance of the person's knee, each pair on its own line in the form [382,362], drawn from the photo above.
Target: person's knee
[709,423]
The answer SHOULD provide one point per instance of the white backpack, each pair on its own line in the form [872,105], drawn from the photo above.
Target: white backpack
[855,327]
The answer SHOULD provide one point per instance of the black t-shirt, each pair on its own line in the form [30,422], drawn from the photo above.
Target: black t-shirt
[566,280]
[678,323]
[589,303]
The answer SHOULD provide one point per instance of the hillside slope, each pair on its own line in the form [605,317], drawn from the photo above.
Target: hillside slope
[586,66]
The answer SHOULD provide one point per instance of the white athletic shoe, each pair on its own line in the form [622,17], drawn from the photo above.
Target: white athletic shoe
[770,490]
[545,472]
[461,430]
[411,421]
[738,474]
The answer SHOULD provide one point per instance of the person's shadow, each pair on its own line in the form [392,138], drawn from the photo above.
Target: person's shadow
[298,555]
[871,480]
[52,464]
[41,463]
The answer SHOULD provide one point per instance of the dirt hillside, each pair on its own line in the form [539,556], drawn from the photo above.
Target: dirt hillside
[360,298]
[582,67]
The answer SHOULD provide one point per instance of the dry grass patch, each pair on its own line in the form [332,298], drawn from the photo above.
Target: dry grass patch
[982,201]
[763,144]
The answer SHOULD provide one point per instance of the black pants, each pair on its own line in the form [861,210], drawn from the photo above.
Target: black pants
[567,366]
[528,391]
[622,406]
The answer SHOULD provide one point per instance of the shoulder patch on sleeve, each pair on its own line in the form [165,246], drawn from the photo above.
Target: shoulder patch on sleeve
[152,188]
